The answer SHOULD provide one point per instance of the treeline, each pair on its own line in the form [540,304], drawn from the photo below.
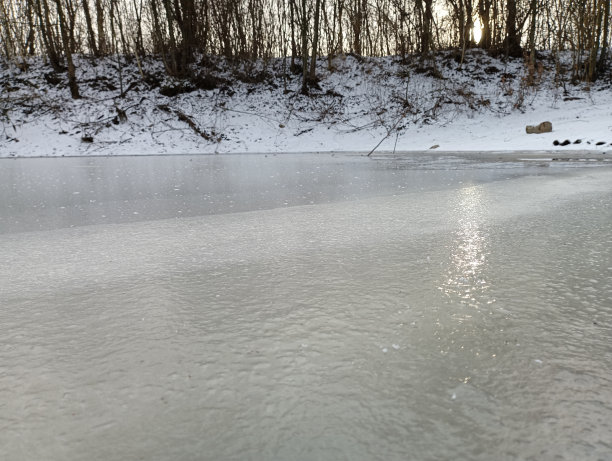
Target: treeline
[180,30]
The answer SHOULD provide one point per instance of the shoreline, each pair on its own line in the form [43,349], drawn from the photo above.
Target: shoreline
[493,155]
[377,105]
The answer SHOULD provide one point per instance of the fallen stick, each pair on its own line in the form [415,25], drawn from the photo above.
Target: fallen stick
[188,120]
[183,117]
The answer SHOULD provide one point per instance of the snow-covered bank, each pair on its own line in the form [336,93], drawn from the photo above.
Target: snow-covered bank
[361,104]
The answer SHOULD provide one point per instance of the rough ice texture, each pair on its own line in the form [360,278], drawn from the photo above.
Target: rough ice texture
[361,104]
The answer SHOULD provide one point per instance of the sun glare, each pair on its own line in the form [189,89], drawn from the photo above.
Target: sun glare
[477,32]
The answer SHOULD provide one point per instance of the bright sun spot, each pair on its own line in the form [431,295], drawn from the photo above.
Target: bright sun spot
[477,31]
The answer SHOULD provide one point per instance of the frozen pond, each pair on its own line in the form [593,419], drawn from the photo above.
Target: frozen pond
[304,308]
[51,193]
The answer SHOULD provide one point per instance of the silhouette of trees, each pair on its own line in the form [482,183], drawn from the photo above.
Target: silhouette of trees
[180,31]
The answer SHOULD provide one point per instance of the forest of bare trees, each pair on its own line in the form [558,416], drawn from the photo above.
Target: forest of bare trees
[182,32]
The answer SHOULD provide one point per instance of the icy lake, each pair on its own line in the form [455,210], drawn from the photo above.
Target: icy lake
[305,307]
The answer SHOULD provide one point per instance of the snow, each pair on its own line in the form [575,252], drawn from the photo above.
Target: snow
[363,104]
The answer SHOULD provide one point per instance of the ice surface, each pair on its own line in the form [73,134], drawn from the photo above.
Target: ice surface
[39,194]
[259,334]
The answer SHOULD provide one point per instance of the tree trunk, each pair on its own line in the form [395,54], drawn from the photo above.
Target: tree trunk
[31,40]
[484,12]
[513,43]
[72,82]
[532,30]
[340,31]
[315,41]
[173,66]
[304,26]
[100,24]
[603,57]
[158,44]
[357,20]
[42,10]
[139,46]
[5,32]
[597,20]
[426,25]
[254,39]
[187,25]
[116,19]
[430,24]
[91,38]
[469,23]
[239,28]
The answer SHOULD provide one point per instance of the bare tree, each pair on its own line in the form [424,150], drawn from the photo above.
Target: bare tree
[513,40]
[67,45]
[605,36]
[315,40]
[304,38]
[484,14]
[247,30]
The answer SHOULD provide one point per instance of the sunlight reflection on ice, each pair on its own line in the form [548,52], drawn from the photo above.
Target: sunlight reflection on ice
[465,278]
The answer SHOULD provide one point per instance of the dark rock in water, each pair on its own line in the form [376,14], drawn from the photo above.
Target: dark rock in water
[556,142]
[577,141]
[88,139]
[566,142]
[600,143]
